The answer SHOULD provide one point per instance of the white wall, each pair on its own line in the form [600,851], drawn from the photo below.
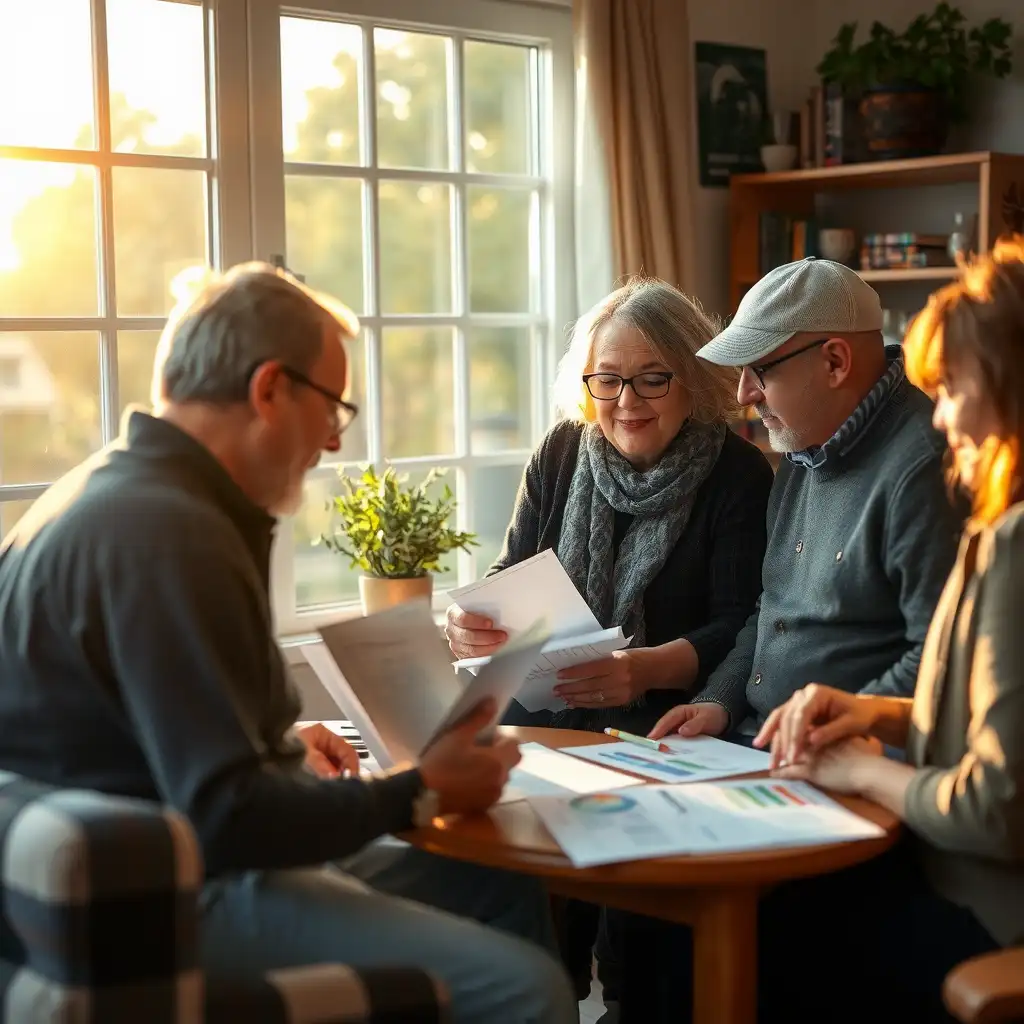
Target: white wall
[772,26]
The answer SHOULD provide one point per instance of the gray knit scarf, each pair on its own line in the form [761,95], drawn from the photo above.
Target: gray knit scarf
[660,502]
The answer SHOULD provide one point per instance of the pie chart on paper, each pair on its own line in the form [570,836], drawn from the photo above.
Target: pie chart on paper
[602,803]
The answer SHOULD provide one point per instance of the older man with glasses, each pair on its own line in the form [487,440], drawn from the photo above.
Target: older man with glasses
[861,529]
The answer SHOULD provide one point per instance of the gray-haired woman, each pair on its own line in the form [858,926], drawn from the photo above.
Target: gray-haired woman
[653,506]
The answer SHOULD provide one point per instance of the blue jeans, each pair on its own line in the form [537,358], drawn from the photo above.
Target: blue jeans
[378,909]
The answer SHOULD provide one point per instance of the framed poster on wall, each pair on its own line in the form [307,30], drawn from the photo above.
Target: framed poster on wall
[732,109]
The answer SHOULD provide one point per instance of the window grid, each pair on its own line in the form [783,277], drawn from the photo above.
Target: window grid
[463,463]
[108,323]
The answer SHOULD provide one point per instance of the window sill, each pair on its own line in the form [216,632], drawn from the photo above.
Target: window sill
[291,644]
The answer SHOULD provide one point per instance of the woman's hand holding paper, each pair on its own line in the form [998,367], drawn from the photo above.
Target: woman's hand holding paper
[472,636]
[607,683]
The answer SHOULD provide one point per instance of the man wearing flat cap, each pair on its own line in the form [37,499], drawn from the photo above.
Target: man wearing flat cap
[862,529]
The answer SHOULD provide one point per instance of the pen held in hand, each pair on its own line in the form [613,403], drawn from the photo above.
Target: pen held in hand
[641,741]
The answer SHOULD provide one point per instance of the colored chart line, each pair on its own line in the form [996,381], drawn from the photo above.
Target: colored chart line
[692,765]
[764,797]
[638,763]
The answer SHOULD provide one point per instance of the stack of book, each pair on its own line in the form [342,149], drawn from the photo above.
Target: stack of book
[903,250]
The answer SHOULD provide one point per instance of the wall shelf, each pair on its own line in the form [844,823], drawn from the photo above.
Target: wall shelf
[999,178]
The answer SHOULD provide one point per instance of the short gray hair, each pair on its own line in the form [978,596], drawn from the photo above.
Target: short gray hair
[231,323]
[674,325]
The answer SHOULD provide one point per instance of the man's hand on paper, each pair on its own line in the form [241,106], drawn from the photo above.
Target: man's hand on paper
[839,767]
[607,683]
[472,636]
[327,754]
[467,775]
[705,719]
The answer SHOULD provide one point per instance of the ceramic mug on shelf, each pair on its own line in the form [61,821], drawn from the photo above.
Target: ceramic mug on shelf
[837,244]
[778,157]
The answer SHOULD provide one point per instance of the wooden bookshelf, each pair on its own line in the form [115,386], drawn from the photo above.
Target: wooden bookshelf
[795,192]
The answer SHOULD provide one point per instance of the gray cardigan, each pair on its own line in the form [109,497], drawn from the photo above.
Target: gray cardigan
[859,549]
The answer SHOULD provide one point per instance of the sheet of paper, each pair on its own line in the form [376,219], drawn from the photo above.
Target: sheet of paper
[663,821]
[537,588]
[536,693]
[501,679]
[543,771]
[691,760]
[391,675]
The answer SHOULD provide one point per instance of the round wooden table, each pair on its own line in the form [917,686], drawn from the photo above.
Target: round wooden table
[716,895]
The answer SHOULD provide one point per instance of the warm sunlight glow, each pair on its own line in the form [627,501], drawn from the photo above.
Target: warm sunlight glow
[49,68]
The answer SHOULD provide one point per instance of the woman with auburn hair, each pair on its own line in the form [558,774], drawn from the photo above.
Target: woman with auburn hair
[876,942]
[654,507]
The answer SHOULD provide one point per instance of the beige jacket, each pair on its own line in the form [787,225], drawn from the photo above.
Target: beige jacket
[966,801]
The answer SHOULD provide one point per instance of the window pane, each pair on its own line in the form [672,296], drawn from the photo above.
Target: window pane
[320,63]
[10,513]
[415,248]
[157,92]
[418,392]
[135,353]
[493,490]
[49,404]
[159,231]
[499,388]
[497,108]
[47,239]
[323,576]
[46,74]
[324,225]
[353,441]
[412,99]
[499,250]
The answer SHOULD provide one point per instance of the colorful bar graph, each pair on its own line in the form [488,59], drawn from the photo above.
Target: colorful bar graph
[692,765]
[751,794]
[774,797]
[638,763]
[790,796]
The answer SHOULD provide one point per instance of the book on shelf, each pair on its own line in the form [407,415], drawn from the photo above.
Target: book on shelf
[784,238]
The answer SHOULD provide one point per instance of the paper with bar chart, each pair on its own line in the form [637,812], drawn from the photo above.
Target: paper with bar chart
[699,759]
[706,818]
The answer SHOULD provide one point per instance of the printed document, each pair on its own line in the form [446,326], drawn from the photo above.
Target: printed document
[544,771]
[697,759]
[391,675]
[706,818]
[513,599]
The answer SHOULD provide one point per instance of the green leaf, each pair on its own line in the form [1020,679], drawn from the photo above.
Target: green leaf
[390,529]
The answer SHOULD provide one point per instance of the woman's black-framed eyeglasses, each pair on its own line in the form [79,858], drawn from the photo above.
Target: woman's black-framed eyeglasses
[759,370]
[345,412]
[607,387]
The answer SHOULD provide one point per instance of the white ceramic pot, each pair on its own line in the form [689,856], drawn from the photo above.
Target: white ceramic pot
[377,593]
[778,157]
[837,244]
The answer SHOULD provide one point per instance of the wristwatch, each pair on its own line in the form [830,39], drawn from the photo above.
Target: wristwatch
[425,808]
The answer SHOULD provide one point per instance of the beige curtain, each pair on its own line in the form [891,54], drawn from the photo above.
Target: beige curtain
[638,64]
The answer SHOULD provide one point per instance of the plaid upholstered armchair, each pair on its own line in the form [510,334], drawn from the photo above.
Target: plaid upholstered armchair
[99,923]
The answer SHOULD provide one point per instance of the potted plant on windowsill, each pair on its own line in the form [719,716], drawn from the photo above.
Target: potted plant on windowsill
[396,533]
[913,84]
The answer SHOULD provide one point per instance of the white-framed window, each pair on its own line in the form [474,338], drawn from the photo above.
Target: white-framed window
[415,172]
[414,160]
[111,184]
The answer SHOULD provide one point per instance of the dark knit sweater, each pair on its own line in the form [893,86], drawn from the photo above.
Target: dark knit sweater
[858,553]
[709,583]
[138,658]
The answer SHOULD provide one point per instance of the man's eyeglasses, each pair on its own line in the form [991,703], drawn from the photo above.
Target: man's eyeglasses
[606,387]
[345,412]
[761,368]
